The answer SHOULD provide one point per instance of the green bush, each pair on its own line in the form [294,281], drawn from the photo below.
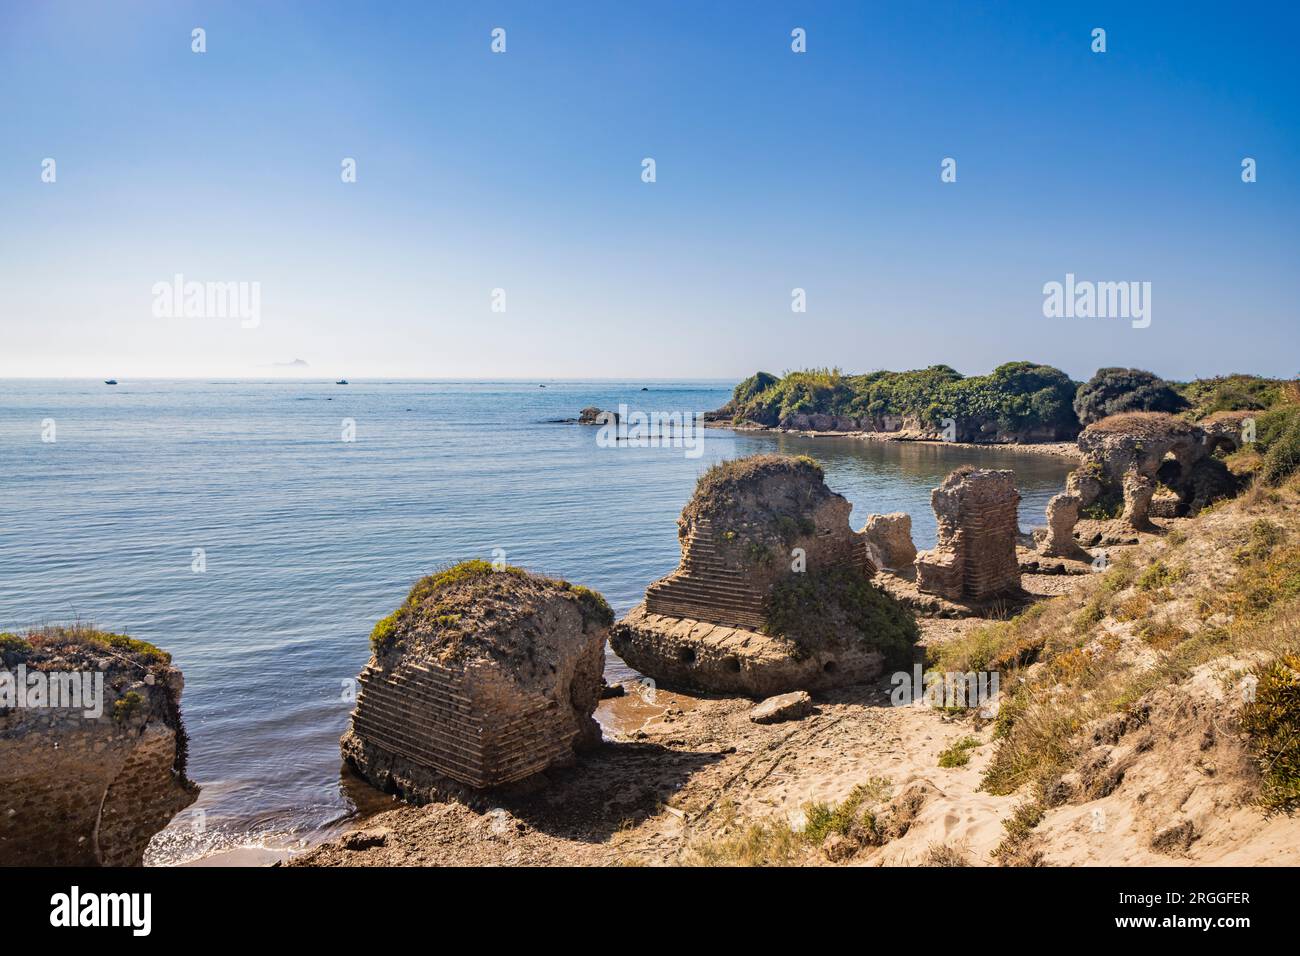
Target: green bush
[811,605]
[958,754]
[1013,397]
[1115,390]
[1272,725]
[1278,435]
[1230,393]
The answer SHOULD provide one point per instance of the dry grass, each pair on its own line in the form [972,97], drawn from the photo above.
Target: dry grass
[1143,424]
[945,854]
[1188,613]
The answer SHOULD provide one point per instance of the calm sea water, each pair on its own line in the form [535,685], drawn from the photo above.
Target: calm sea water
[310,539]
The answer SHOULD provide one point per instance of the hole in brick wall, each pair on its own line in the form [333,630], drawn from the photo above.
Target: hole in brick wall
[829,667]
[733,665]
[686,655]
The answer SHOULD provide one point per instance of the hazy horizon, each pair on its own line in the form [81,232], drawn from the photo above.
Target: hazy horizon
[522,171]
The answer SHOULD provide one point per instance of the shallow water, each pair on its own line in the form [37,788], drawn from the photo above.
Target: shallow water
[309,539]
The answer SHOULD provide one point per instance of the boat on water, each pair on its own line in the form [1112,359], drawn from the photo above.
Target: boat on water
[110,381]
[342,381]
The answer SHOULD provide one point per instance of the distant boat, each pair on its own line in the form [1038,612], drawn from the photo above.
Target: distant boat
[342,381]
[541,386]
[110,381]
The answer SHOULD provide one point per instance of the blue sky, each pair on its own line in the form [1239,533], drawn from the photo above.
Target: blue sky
[522,171]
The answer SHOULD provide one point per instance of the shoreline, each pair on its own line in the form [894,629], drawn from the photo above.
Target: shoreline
[1056,449]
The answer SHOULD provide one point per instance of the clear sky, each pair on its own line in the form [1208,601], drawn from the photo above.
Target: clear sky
[522,171]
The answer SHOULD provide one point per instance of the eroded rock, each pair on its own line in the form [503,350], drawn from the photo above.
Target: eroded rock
[1058,539]
[791,706]
[890,537]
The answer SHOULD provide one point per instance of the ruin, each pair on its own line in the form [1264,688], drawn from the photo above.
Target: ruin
[483,677]
[1228,431]
[1057,539]
[889,540]
[92,748]
[975,557]
[1129,457]
[772,593]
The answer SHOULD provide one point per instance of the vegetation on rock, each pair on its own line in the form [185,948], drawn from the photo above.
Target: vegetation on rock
[817,604]
[1014,397]
[450,606]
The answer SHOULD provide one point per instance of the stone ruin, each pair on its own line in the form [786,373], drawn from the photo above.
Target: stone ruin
[1126,458]
[483,677]
[1227,430]
[1057,540]
[755,528]
[889,540]
[80,788]
[975,557]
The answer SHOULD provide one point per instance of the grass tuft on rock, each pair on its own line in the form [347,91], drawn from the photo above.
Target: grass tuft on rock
[449,605]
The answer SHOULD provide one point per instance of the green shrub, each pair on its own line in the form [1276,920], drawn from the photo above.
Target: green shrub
[1278,436]
[13,648]
[1014,396]
[1158,575]
[958,754]
[1115,390]
[1272,725]
[126,706]
[815,604]
[1230,393]
[823,820]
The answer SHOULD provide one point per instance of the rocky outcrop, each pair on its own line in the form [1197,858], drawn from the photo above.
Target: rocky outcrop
[772,592]
[92,748]
[975,557]
[483,677]
[591,415]
[1127,457]
[1057,540]
[1138,490]
[889,540]
[1228,431]
[685,652]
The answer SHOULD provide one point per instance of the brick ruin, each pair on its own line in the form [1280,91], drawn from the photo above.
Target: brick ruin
[482,678]
[772,509]
[750,526]
[975,557]
[82,790]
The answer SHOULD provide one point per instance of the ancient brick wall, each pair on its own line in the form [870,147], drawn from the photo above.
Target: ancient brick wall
[975,557]
[477,731]
[79,791]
